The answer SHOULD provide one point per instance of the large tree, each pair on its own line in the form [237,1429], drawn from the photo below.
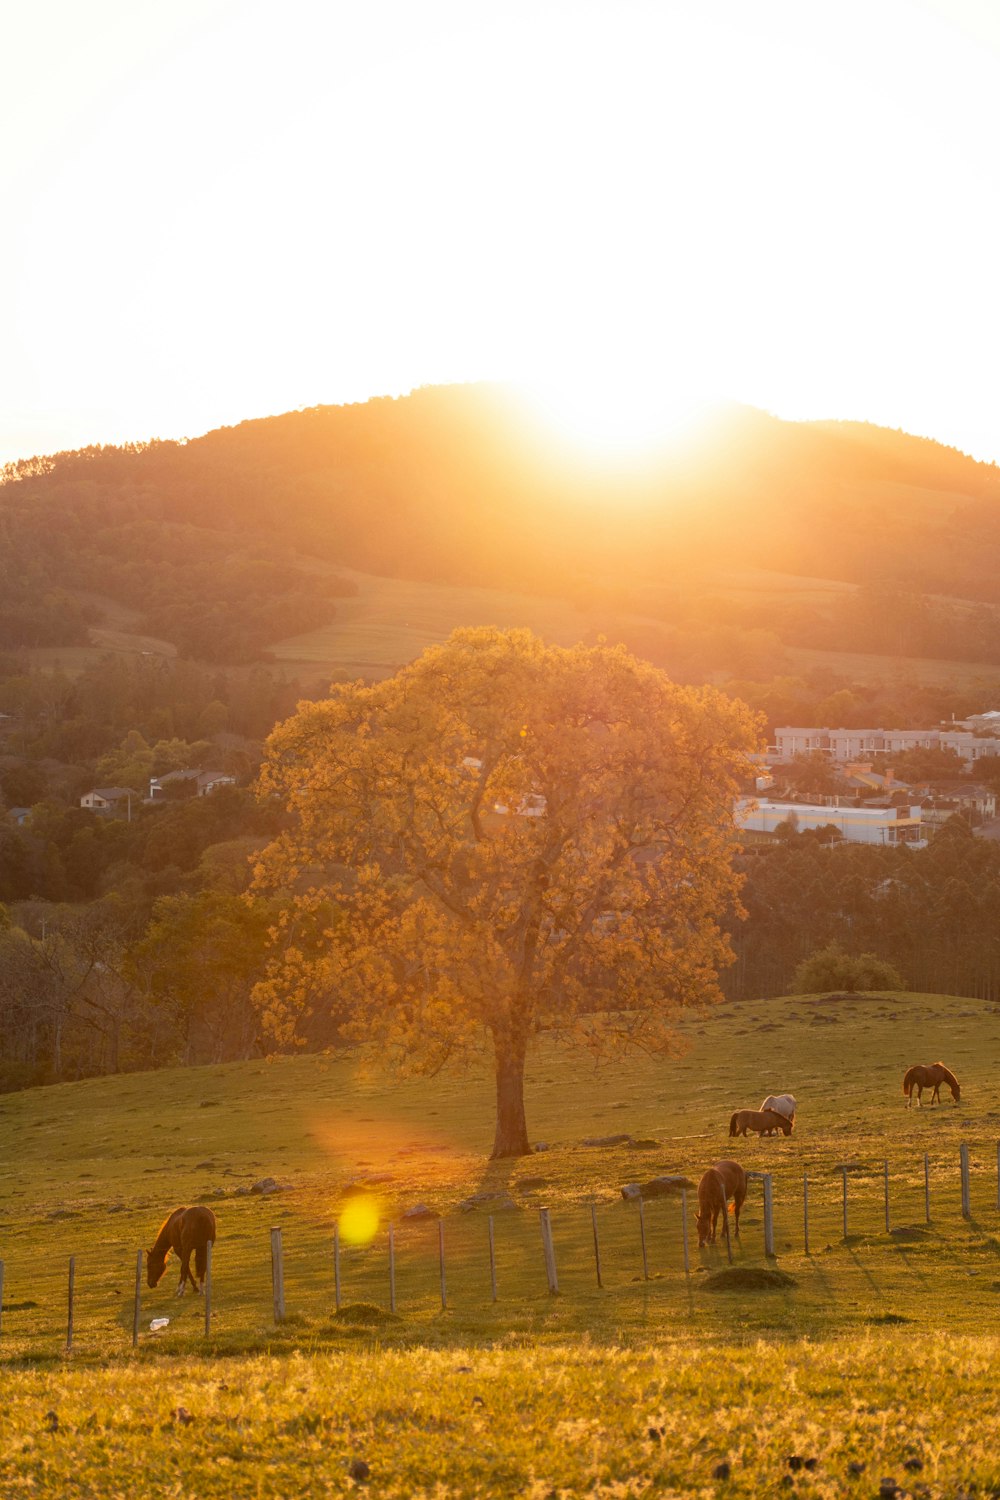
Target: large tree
[504,838]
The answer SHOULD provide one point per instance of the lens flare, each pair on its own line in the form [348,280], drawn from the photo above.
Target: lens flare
[358,1222]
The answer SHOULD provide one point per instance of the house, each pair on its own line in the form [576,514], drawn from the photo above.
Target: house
[859,825]
[110,801]
[187,784]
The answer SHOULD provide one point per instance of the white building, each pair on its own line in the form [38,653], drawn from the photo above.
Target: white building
[860,825]
[862,744]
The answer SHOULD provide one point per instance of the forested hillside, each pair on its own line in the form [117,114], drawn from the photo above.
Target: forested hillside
[207,538]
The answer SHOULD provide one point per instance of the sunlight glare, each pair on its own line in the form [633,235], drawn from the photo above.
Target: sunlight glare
[359,1220]
[616,416]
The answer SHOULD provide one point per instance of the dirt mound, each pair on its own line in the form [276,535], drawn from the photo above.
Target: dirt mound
[365,1313]
[748,1279]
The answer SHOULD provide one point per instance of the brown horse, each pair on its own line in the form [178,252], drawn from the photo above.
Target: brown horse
[725,1180]
[921,1077]
[183,1231]
[763,1121]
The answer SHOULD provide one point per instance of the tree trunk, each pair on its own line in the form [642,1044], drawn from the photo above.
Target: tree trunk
[511,1137]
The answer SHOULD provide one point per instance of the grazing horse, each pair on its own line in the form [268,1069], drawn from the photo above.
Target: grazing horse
[921,1077]
[184,1230]
[725,1180]
[763,1121]
[782,1104]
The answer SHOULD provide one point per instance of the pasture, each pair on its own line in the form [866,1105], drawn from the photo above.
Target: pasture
[864,1358]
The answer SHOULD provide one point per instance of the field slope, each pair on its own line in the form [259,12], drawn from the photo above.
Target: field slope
[598,1390]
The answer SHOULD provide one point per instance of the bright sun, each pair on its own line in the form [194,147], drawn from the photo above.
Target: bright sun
[616,417]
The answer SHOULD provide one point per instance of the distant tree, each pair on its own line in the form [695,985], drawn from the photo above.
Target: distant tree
[832,969]
[504,838]
[811,771]
[933,764]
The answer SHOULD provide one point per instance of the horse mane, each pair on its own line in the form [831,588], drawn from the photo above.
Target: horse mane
[161,1245]
[949,1077]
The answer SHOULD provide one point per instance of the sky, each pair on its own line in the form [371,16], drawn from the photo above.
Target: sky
[216,210]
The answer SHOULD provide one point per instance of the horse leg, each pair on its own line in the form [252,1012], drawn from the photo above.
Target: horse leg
[185,1273]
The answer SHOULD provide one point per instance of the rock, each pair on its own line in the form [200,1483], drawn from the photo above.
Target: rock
[419,1211]
[541,1146]
[217,1193]
[888,1489]
[914,1465]
[644,1144]
[358,1470]
[607,1140]
[721,1471]
[264,1186]
[855,1467]
[487,1200]
[241,1192]
[794,1462]
[657,1187]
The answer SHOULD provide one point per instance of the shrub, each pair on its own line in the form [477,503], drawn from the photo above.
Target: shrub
[830,968]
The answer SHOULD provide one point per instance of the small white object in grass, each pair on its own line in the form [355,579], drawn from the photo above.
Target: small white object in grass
[157,1324]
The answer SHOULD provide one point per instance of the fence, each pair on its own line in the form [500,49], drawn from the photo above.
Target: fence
[640,1240]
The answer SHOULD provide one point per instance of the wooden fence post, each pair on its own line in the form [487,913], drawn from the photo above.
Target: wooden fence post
[493,1260]
[69,1313]
[138,1299]
[768,1217]
[208,1287]
[963,1158]
[844,1175]
[684,1231]
[885,1169]
[597,1243]
[444,1289]
[1,1295]
[805,1208]
[549,1252]
[392,1270]
[642,1238]
[336,1267]
[998,1174]
[927,1187]
[277,1276]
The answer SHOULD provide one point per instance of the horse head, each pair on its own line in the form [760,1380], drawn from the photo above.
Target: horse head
[787,1126]
[704,1223]
[956,1090]
[156,1264]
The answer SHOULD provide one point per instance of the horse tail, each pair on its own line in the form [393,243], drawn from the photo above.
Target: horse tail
[732,1123]
[725,1215]
[201,1258]
[908,1081]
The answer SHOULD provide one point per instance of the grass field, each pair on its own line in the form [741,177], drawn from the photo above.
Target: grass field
[879,1352]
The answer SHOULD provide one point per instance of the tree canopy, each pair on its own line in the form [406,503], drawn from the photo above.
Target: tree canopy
[504,838]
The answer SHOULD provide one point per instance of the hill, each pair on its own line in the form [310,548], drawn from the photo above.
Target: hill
[229,543]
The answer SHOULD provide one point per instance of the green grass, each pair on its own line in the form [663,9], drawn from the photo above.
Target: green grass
[570,1383]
